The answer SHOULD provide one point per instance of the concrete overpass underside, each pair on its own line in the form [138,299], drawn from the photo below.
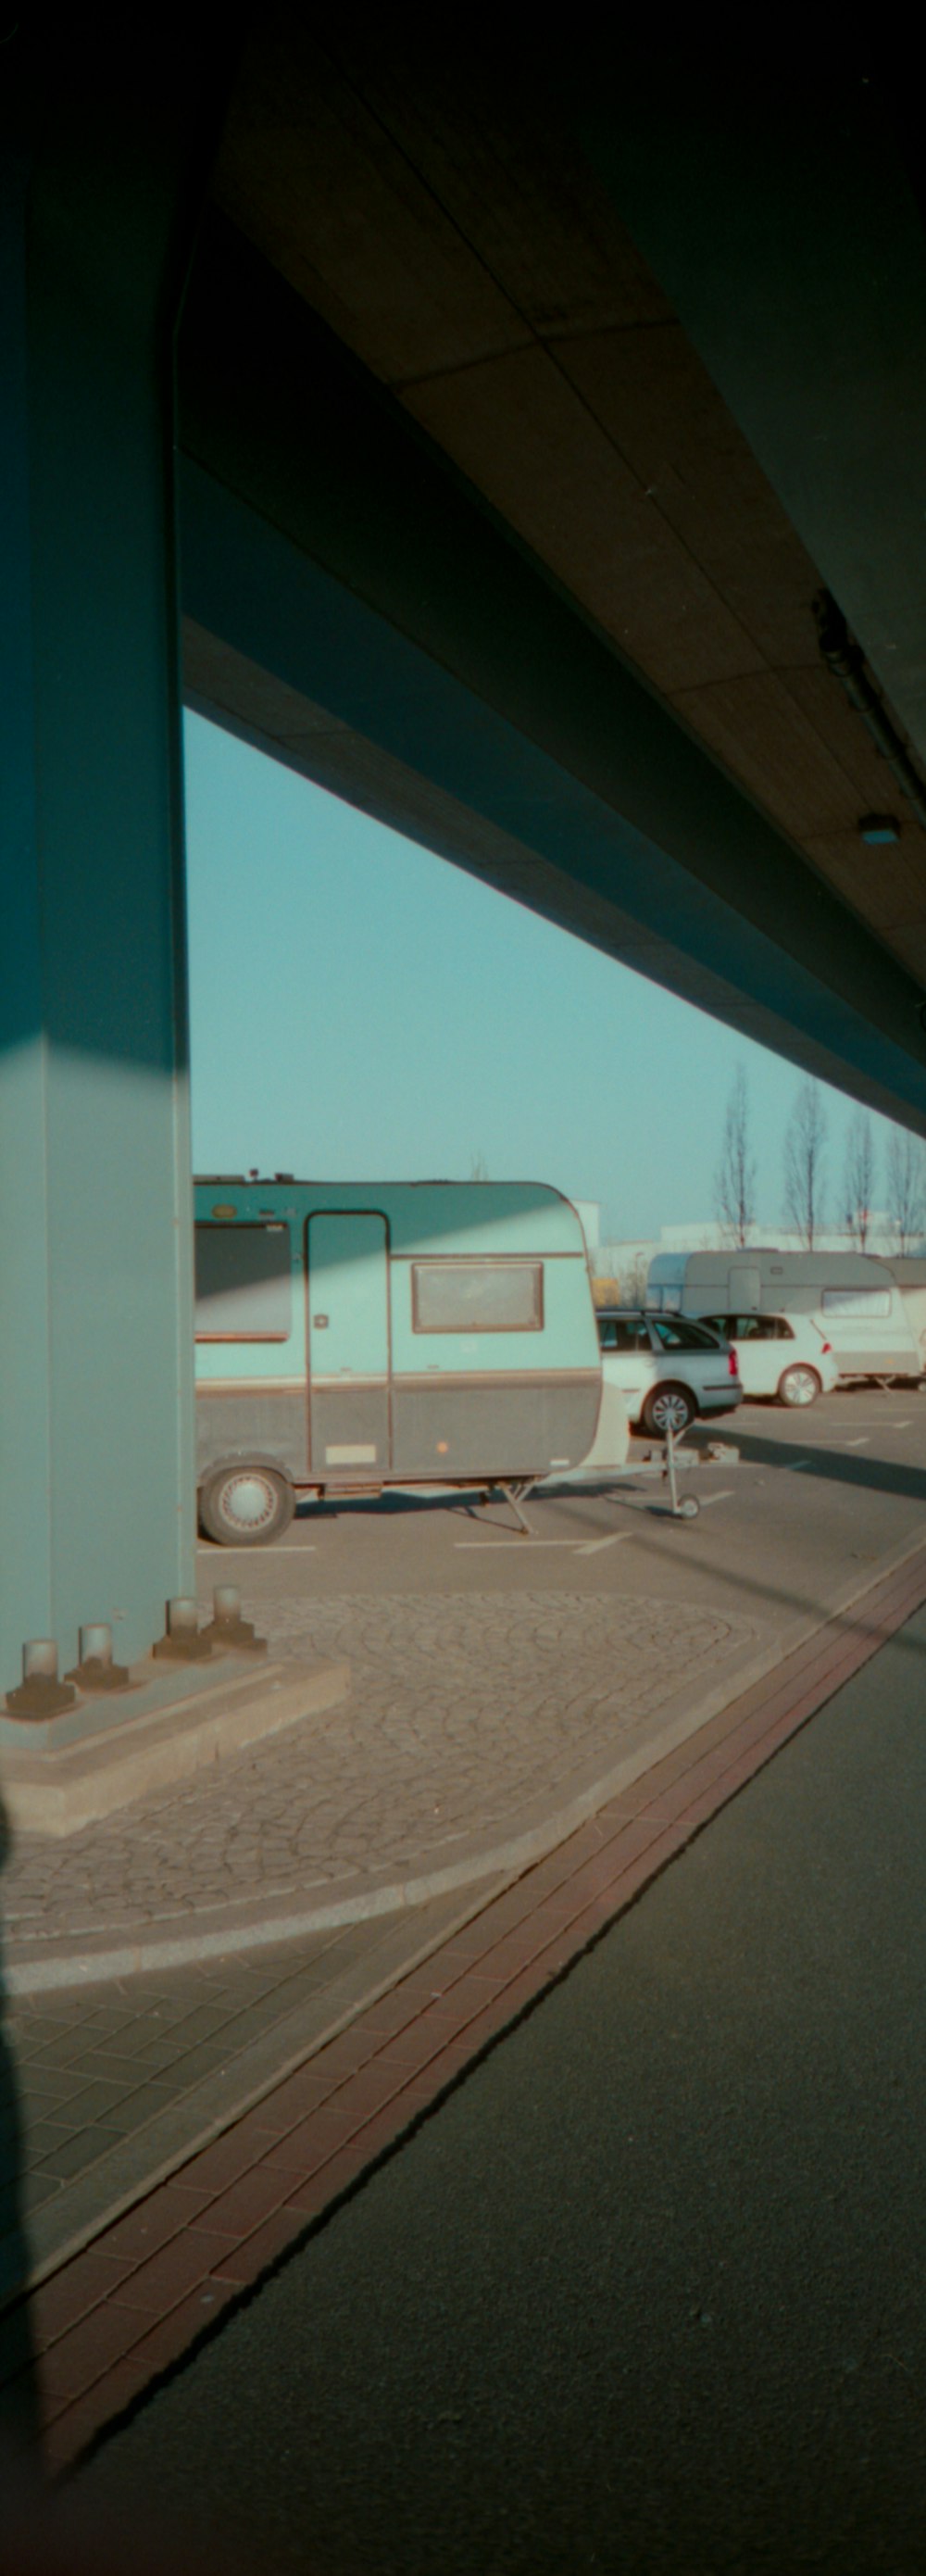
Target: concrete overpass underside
[533,592]
[524,410]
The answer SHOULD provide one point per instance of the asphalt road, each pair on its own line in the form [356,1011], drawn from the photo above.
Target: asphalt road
[817,1502]
[645,2293]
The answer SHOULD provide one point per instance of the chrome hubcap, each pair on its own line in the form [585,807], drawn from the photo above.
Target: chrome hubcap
[247,1502]
[801,1387]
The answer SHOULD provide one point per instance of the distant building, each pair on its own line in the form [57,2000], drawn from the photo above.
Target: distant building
[627,1261]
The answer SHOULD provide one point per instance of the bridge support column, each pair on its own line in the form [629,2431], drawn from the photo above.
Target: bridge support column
[96,1441]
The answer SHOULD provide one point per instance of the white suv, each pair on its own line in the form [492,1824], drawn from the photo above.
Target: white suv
[784,1356]
[668,1368]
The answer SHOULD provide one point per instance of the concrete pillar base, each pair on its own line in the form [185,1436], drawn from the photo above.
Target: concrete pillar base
[75,1769]
[39,1698]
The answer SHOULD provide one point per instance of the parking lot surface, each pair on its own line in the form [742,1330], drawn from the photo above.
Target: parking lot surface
[813,1497]
[495,1677]
[486,1667]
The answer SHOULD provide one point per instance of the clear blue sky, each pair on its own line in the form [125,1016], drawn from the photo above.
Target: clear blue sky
[361,1010]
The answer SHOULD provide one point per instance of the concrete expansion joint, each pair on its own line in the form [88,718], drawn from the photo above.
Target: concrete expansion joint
[227,1631]
[185,1642]
[98,1755]
[40,1694]
[92,1675]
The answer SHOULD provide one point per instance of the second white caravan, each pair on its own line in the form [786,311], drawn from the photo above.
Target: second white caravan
[852,1297]
[908,1272]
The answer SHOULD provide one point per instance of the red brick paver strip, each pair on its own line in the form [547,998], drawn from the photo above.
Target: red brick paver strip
[116,2316]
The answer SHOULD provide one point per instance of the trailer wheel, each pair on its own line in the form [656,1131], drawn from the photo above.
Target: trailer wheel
[245,1506]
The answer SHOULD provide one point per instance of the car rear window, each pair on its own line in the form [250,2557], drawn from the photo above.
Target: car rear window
[759,1328]
[680,1334]
[751,1328]
[623,1333]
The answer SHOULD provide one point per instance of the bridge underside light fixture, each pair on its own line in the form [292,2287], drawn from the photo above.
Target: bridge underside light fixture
[879,830]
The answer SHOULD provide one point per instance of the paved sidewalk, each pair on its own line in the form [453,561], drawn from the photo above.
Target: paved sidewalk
[152,1973]
[474,1725]
[150,2282]
[116,2083]
[149,1988]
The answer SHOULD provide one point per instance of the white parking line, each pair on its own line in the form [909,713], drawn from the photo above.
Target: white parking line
[590,1547]
[862,1443]
[705,1500]
[503,1540]
[798,1462]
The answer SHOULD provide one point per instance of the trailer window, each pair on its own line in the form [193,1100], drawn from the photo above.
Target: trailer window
[477,1296]
[243,1291]
[856,1301]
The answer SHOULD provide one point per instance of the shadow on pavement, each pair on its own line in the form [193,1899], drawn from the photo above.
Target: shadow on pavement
[19,2421]
[394,1505]
[44,2529]
[834,1466]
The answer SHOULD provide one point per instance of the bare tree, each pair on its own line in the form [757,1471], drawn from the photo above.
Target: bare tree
[805,1169]
[906,1186]
[735,1182]
[479,1169]
[859,1177]
[634,1281]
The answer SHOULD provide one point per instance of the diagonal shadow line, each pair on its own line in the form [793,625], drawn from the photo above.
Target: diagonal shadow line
[827,1614]
[836,1466]
[19,2407]
[833,1466]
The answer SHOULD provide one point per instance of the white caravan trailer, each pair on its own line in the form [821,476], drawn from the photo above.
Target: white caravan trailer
[352,1337]
[853,1298]
[908,1272]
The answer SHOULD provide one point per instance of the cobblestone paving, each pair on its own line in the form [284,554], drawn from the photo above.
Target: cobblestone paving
[462,1707]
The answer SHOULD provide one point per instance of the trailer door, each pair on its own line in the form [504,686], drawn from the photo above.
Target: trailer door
[348,1347]
[744,1287]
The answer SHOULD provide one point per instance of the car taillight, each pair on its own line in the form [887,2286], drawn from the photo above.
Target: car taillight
[734,1363]
[827,1346]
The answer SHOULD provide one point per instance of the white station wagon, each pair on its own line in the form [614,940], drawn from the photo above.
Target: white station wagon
[668,1368]
[783,1356]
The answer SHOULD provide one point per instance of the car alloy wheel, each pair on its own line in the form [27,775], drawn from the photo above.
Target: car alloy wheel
[799,1386]
[669,1408]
